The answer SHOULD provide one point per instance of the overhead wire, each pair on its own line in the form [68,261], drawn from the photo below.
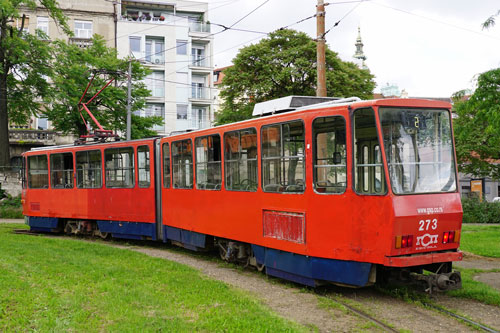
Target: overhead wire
[343,17]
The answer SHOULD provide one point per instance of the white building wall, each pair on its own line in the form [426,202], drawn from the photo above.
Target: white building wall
[178,25]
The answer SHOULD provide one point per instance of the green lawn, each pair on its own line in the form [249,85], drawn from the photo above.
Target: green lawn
[483,240]
[52,284]
[476,290]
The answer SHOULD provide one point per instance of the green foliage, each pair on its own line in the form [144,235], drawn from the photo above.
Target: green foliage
[472,289]
[72,70]
[490,22]
[281,65]
[24,64]
[481,240]
[10,207]
[477,127]
[480,212]
[56,285]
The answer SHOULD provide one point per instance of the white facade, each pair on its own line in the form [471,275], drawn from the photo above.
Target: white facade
[173,40]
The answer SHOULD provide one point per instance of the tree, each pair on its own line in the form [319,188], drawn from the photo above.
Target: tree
[23,66]
[285,64]
[477,127]
[72,70]
[490,22]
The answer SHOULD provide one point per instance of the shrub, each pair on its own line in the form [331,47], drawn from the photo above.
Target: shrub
[10,208]
[480,212]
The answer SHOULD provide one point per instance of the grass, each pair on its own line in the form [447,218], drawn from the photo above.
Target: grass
[483,240]
[476,290]
[52,284]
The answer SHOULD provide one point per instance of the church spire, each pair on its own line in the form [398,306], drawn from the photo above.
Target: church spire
[359,55]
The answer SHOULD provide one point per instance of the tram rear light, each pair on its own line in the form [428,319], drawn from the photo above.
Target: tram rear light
[403,242]
[445,237]
[457,236]
[451,237]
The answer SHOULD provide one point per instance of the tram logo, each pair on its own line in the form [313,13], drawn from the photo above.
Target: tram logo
[427,240]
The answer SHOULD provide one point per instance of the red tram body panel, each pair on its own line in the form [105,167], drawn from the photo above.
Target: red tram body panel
[326,193]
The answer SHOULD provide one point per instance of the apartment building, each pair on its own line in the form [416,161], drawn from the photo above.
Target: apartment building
[173,39]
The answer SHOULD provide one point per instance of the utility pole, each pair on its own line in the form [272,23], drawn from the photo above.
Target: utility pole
[129,99]
[320,49]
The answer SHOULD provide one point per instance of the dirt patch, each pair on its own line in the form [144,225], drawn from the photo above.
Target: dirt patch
[20,221]
[478,262]
[486,314]
[490,278]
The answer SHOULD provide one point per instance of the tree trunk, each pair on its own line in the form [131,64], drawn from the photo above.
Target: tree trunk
[4,123]
[4,117]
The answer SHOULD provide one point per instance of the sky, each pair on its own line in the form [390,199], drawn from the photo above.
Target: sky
[429,48]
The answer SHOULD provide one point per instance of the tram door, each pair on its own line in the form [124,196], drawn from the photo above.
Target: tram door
[369,171]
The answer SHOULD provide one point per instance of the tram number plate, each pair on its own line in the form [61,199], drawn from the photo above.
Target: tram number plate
[428,224]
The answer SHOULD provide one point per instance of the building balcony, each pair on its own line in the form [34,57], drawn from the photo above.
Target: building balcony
[81,42]
[154,60]
[201,93]
[32,137]
[199,27]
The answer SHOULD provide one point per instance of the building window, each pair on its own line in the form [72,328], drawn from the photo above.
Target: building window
[199,117]
[43,24]
[88,169]
[330,156]
[182,47]
[61,170]
[38,171]
[208,163]
[143,166]
[135,46]
[283,168]
[156,83]
[83,29]
[198,56]
[182,164]
[119,167]
[240,160]
[155,51]
[182,111]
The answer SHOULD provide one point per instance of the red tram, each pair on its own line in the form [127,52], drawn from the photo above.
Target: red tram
[337,192]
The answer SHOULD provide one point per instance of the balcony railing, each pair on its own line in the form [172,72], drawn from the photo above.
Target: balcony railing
[199,27]
[200,93]
[199,61]
[155,59]
[81,42]
[36,137]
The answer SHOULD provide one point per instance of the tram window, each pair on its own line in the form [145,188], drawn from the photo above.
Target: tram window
[283,168]
[119,164]
[208,163]
[330,156]
[240,160]
[166,165]
[38,171]
[23,172]
[143,166]
[182,164]
[61,170]
[368,167]
[88,169]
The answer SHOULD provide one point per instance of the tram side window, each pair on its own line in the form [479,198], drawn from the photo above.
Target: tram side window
[61,170]
[88,169]
[330,156]
[166,165]
[182,164]
[208,163]
[119,167]
[283,168]
[368,167]
[143,166]
[240,160]
[23,172]
[38,171]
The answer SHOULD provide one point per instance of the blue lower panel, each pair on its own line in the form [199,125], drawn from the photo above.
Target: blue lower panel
[43,224]
[128,230]
[307,270]
[190,239]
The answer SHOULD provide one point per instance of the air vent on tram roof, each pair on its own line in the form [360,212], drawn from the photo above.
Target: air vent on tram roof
[289,103]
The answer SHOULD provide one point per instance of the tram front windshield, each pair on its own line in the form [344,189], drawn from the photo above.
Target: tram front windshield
[419,150]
